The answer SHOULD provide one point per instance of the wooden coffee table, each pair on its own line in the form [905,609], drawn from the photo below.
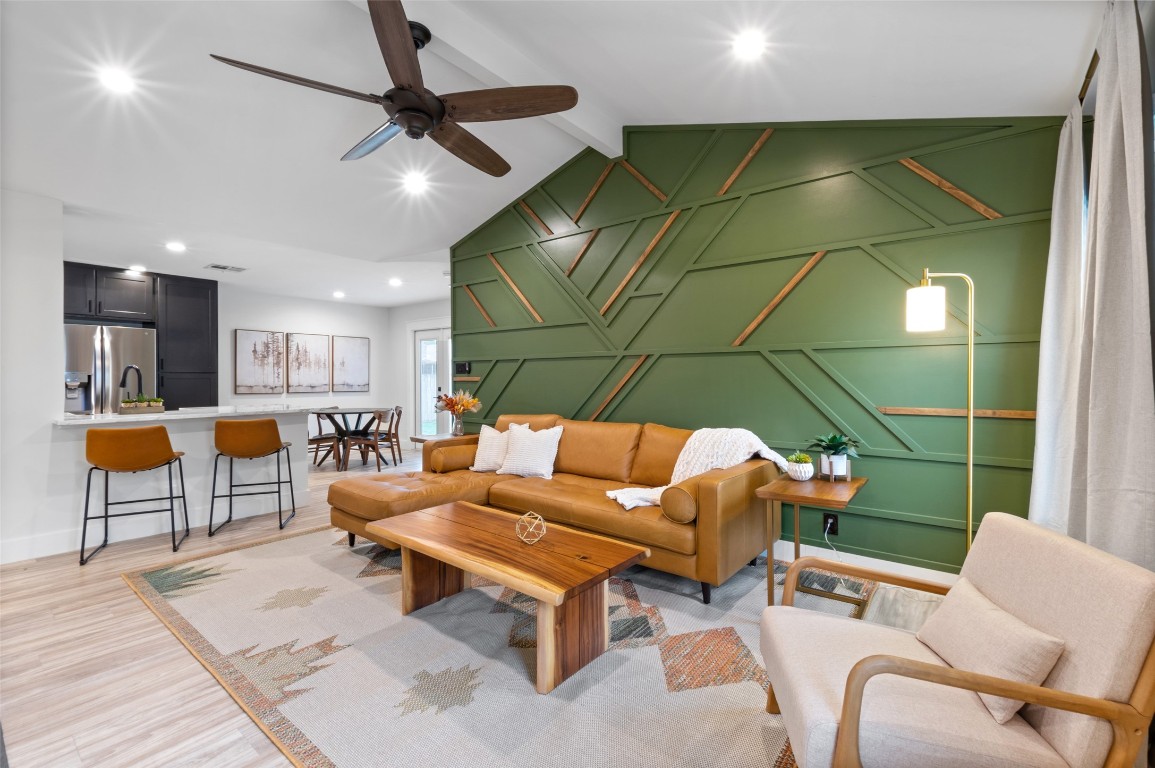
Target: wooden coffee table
[567,572]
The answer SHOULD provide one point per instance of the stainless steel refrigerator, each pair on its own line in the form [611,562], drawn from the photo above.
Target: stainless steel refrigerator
[101,363]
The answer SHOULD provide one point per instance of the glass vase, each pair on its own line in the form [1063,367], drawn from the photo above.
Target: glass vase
[458,424]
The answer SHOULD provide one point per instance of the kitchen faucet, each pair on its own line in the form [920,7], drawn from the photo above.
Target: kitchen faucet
[139,379]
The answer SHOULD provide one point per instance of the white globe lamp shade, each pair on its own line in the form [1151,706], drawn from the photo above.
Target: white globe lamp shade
[926,308]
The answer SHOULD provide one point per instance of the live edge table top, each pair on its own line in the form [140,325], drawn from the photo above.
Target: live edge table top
[483,541]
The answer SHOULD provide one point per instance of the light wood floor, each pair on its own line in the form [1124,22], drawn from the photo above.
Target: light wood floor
[89,677]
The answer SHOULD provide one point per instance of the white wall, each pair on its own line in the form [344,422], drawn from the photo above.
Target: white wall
[31,371]
[389,344]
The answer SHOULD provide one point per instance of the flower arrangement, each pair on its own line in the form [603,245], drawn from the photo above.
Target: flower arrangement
[458,403]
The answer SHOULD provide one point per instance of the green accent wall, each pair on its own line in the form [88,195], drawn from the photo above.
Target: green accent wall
[833,351]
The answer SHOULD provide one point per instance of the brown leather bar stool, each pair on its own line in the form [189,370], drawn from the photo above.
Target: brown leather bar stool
[250,439]
[131,449]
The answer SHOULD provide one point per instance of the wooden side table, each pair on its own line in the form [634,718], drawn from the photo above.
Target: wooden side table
[824,494]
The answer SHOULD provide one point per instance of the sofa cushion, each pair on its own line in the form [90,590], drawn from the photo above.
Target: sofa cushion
[378,496]
[530,453]
[970,632]
[535,421]
[600,449]
[450,457]
[658,449]
[581,502]
[905,723]
[492,446]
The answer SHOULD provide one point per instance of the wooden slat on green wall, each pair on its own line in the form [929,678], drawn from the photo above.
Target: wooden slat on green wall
[832,350]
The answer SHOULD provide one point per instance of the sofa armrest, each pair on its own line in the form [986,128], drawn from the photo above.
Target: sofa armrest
[731,519]
[429,446]
[1127,723]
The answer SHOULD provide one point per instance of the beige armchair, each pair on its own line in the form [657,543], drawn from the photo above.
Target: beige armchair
[1092,708]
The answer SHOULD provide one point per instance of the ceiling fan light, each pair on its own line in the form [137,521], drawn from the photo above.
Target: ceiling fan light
[415,182]
[116,80]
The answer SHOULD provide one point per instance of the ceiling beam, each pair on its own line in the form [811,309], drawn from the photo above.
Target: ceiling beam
[474,46]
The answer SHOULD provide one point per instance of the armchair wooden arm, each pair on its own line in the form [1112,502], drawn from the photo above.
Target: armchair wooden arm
[1128,722]
[803,563]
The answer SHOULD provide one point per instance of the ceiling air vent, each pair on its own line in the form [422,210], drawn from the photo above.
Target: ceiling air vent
[225,268]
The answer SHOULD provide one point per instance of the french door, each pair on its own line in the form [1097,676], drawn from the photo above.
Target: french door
[434,376]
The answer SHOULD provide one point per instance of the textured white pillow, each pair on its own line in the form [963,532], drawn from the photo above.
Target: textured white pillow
[491,448]
[531,454]
[970,632]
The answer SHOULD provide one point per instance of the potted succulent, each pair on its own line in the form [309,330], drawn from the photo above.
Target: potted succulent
[837,449]
[800,466]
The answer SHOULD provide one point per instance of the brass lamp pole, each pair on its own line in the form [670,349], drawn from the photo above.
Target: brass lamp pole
[926,311]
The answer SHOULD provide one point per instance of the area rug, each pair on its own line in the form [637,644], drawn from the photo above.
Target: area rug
[307,635]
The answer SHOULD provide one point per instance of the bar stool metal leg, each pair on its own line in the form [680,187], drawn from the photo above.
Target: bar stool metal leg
[84,558]
[183,500]
[292,495]
[213,502]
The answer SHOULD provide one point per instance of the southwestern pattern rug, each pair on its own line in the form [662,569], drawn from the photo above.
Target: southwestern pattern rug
[307,635]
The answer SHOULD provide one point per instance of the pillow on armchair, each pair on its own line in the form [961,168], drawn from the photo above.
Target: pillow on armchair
[970,632]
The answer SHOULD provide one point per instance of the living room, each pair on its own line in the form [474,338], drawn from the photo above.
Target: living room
[736,258]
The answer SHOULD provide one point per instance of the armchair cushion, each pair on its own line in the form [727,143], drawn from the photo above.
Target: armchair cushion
[905,723]
[970,632]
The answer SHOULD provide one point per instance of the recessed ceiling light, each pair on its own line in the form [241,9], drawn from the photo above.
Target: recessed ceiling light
[415,182]
[117,80]
[176,246]
[338,294]
[137,268]
[395,282]
[749,45]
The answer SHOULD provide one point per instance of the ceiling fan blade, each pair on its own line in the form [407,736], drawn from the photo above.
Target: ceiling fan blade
[508,103]
[300,80]
[469,148]
[373,141]
[396,41]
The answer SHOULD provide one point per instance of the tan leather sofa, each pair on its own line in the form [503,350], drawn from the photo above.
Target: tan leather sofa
[705,529]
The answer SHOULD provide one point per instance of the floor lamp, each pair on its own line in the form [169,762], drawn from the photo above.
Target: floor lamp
[926,311]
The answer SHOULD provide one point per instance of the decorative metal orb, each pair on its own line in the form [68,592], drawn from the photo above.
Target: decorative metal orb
[530,527]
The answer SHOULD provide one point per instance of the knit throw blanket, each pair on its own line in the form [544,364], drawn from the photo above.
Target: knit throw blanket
[705,450]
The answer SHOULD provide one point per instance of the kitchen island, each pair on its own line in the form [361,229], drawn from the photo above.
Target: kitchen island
[56,525]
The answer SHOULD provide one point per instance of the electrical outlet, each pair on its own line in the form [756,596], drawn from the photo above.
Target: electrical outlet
[830,523]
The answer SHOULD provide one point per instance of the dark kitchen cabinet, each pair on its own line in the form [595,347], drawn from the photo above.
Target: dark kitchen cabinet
[186,340]
[108,294]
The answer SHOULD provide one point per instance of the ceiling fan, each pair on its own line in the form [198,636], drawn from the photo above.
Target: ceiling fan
[418,112]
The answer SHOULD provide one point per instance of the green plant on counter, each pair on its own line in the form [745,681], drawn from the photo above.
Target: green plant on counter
[156,401]
[835,444]
[798,457]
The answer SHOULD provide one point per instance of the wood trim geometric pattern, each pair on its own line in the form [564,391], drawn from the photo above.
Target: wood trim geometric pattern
[958,194]
[467,378]
[585,247]
[516,290]
[537,219]
[782,294]
[618,388]
[982,413]
[593,191]
[641,260]
[481,309]
[645,182]
[766,134]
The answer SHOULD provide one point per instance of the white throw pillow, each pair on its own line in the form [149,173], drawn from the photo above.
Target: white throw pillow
[491,448]
[970,632]
[531,454]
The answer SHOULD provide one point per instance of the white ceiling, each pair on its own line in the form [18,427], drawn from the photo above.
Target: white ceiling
[246,170]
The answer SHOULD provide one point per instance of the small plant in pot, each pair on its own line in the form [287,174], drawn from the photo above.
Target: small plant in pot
[800,466]
[837,449]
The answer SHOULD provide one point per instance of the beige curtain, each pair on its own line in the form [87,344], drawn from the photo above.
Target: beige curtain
[1111,485]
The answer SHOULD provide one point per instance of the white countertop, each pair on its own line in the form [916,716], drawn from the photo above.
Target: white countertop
[81,420]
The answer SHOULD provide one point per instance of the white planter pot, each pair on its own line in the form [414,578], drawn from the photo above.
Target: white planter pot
[800,471]
[833,465]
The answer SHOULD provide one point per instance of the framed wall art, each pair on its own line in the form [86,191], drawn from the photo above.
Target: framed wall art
[259,362]
[350,364]
[307,362]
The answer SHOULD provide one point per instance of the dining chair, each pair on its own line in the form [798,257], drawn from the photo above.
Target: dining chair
[392,438]
[371,440]
[330,440]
